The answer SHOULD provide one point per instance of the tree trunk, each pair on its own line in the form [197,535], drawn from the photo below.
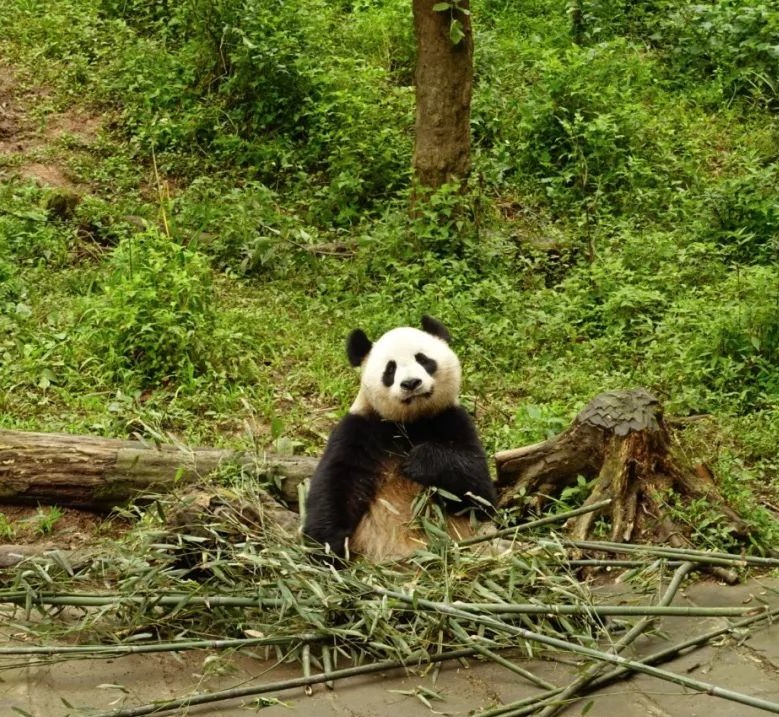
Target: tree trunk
[444,80]
[101,473]
[620,441]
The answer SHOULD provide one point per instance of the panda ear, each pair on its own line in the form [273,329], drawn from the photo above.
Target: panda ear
[435,327]
[357,347]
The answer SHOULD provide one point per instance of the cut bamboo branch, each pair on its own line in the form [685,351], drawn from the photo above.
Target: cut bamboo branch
[528,705]
[461,633]
[119,650]
[662,551]
[322,677]
[632,665]
[627,639]
[532,524]
[504,610]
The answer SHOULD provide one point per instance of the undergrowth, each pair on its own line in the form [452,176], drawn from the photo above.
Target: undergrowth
[620,226]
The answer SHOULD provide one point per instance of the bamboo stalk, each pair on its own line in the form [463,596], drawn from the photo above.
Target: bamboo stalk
[592,563]
[712,557]
[503,609]
[697,685]
[498,659]
[627,639]
[561,517]
[153,600]
[507,610]
[173,646]
[513,709]
[240,692]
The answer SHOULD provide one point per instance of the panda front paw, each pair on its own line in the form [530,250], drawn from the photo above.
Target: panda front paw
[417,466]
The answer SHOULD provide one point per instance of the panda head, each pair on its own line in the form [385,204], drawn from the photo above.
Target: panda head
[407,374]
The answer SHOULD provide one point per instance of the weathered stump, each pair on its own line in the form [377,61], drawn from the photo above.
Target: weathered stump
[621,440]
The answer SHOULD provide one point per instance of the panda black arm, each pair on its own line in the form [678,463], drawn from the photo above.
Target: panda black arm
[344,482]
[447,453]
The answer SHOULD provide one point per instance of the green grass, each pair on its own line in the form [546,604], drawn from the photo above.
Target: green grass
[621,227]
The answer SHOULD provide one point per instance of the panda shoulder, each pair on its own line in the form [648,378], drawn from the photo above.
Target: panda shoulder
[355,428]
[454,422]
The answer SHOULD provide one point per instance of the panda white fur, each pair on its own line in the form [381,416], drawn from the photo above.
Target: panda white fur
[405,430]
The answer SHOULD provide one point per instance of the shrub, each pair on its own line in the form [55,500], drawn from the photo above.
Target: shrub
[156,318]
[745,216]
[590,135]
[735,41]
[725,339]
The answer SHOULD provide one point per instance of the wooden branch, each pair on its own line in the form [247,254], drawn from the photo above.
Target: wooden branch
[101,473]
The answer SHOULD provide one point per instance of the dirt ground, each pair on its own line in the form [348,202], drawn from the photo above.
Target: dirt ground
[746,662]
[31,134]
[30,129]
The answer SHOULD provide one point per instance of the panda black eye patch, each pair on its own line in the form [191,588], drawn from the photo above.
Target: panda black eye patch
[388,377]
[430,365]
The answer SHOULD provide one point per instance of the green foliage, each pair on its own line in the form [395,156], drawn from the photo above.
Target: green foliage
[740,487]
[735,41]
[745,216]
[589,133]
[7,531]
[732,42]
[26,236]
[731,341]
[619,228]
[600,20]
[156,318]
[243,229]
[45,519]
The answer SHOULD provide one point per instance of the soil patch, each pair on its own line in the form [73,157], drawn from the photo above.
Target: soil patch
[65,528]
[27,144]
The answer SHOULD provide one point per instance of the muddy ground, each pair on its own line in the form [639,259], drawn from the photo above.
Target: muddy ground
[746,662]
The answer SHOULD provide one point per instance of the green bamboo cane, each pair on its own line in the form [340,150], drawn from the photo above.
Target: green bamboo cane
[560,517]
[172,646]
[627,639]
[496,608]
[690,554]
[241,692]
[697,685]
[458,630]
[514,709]
[507,610]
[153,600]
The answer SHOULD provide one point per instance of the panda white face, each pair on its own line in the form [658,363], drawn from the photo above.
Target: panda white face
[408,373]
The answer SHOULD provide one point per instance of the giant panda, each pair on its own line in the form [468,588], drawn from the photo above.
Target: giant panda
[404,431]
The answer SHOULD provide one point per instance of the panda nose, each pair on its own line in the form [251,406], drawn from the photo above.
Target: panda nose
[410,384]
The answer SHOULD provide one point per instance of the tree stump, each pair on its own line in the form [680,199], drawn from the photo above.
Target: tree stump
[620,439]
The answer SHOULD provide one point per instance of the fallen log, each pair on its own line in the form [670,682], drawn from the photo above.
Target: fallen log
[619,441]
[100,473]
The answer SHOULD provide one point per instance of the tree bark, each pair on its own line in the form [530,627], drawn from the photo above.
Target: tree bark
[101,473]
[620,442]
[444,82]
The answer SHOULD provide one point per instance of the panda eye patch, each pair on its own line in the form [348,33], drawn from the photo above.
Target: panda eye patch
[426,363]
[388,377]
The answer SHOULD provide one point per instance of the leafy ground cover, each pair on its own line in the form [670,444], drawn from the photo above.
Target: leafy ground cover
[231,198]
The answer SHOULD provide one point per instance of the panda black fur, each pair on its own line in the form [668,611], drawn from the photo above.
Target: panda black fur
[405,430]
